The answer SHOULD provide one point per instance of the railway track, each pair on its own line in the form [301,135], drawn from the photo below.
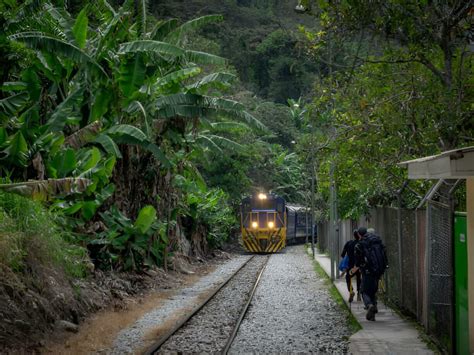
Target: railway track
[213,324]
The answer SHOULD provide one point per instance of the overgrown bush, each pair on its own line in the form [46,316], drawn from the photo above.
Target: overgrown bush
[28,230]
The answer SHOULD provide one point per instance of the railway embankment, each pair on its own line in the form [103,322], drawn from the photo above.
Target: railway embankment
[291,310]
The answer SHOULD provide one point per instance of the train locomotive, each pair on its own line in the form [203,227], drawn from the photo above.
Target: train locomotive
[268,224]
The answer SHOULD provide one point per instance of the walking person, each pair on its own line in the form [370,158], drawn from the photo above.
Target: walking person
[348,250]
[371,259]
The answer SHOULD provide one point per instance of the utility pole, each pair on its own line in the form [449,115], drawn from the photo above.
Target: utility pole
[332,221]
[312,199]
[334,231]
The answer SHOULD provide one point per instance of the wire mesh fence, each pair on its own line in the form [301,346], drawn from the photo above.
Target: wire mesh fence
[440,281]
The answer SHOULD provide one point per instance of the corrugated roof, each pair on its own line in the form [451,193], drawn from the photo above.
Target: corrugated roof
[455,153]
[296,208]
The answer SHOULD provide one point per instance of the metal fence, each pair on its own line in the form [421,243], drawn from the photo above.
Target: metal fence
[420,278]
[440,280]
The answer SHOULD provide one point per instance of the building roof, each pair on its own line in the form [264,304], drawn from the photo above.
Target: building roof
[454,164]
[296,208]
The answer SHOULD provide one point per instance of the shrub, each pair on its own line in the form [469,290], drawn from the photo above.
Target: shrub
[27,229]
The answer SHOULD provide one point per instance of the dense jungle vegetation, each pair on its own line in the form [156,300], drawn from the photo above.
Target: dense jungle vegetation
[131,129]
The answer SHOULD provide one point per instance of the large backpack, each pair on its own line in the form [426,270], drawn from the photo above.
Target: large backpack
[374,255]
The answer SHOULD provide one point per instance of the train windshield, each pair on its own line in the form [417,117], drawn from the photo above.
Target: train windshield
[267,204]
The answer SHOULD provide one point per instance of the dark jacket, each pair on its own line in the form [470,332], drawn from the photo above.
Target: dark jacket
[361,259]
[349,249]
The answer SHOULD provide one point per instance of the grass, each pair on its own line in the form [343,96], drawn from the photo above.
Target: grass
[351,320]
[28,230]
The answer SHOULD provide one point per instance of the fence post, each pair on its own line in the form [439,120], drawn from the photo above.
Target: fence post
[399,236]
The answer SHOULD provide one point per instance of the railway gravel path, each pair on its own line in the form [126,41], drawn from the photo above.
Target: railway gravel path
[292,311]
[130,340]
[208,331]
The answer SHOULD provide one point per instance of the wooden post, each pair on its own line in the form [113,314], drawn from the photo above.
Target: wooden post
[470,257]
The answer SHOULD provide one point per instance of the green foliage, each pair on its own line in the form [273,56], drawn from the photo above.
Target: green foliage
[93,87]
[390,97]
[28,231]
[80,28]
[131,245]
[206,207]
[280,71]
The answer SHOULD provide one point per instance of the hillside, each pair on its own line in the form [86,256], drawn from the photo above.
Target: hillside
[260,39]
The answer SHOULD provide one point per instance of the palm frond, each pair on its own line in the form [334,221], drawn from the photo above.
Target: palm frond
[192,106]
[142,12]
[163,28]
[103,10]
[215,80]
[79,29]
[198,100]
[223,104]
[178,99]
[127,131]
[195,111]
[108,145]
[108,29]
[150,46]
[137,107]
[8,86]
[41,41]
[11,105]
[209,143]
[16,151]
[66,110]
[64,20]
[132,74]
[44,189]
[178,76]
[128,134]
[228,125]
[83,136]
[204,58]
[226,143]
[191,26]
[252,121]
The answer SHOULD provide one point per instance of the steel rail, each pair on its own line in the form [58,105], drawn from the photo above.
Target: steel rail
[156,346]
[244,311]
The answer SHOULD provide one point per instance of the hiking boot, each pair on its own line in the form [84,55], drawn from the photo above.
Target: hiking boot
[371,312]
[351,297]
[358,297]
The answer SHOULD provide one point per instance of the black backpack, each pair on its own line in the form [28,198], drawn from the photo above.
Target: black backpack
[375,256]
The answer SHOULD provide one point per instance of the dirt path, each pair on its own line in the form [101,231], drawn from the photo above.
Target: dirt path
[97,333]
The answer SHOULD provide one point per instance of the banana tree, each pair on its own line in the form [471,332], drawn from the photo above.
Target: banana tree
[104,90]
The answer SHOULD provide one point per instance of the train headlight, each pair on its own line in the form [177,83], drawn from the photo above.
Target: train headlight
[254,224]
[271,224]
[262,196]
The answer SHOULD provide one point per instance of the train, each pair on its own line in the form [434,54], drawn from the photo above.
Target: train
[268,223]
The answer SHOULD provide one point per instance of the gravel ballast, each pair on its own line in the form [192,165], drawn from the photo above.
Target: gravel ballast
[292,311]
[209,330]
[130,339]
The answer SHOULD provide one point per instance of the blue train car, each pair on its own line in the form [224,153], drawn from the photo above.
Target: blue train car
[299,224]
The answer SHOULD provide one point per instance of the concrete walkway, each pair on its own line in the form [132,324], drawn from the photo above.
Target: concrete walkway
[389,334]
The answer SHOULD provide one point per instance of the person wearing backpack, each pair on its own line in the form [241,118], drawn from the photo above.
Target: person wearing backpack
[349,251]
[371,259]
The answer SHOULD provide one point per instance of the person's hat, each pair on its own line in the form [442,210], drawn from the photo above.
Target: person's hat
[362,231]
